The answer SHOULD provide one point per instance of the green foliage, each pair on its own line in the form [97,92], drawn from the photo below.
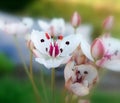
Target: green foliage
[6,65]
[105,97]
[14,90]
[89,14]
[13,5]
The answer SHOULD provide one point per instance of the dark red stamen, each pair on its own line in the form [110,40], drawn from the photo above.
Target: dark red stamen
[56,49]
[51,50]
[47,35]
[79,80]
[60,37]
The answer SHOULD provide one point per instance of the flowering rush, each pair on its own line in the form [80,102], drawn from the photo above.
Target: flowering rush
[52,47]
[16,28]
[106,51]
[54,51]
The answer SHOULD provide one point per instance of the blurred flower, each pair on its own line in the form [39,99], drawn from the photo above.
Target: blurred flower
[55,28]
[97,49]
[53,51]
[108,23]
[111,57]
[75,20]
[17,28]
[80,79]
[28,22]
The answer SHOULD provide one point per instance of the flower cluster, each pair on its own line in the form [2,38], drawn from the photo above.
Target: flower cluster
[61,43]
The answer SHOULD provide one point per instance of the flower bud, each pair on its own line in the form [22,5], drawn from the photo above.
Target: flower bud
[108,23]
[75,20]
[97,49]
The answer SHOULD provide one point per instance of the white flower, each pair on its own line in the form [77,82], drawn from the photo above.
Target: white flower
[55,27]
[54,51]
[111,58]
[79,79]
[17,28]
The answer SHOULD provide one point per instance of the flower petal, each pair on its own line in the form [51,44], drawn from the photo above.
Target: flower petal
[79,89]
[97,49]
[43,25]
[52,62]
[68,70]
[69,44]
[85,48]
[36,38]
[58,25]
[113,65]
[111,45]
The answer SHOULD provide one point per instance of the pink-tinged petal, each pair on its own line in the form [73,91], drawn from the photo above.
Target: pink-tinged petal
[76,19]
[37,54]
[78,56]
[97,49]
[108,23]
[79,89]
[30,45]
[68,71]
[80,79]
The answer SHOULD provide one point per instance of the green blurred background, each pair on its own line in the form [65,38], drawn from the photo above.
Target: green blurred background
[14,84]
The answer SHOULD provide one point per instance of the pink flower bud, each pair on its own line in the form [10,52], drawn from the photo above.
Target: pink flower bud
[108,23]
[97,49]
[76,19]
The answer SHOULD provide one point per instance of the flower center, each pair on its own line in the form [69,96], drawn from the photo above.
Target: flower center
[54,49]
[79,76]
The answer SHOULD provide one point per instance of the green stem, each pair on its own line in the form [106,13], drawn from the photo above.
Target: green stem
[53,84]
[43,86]
[31,57]
[70,98]
[26,70]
